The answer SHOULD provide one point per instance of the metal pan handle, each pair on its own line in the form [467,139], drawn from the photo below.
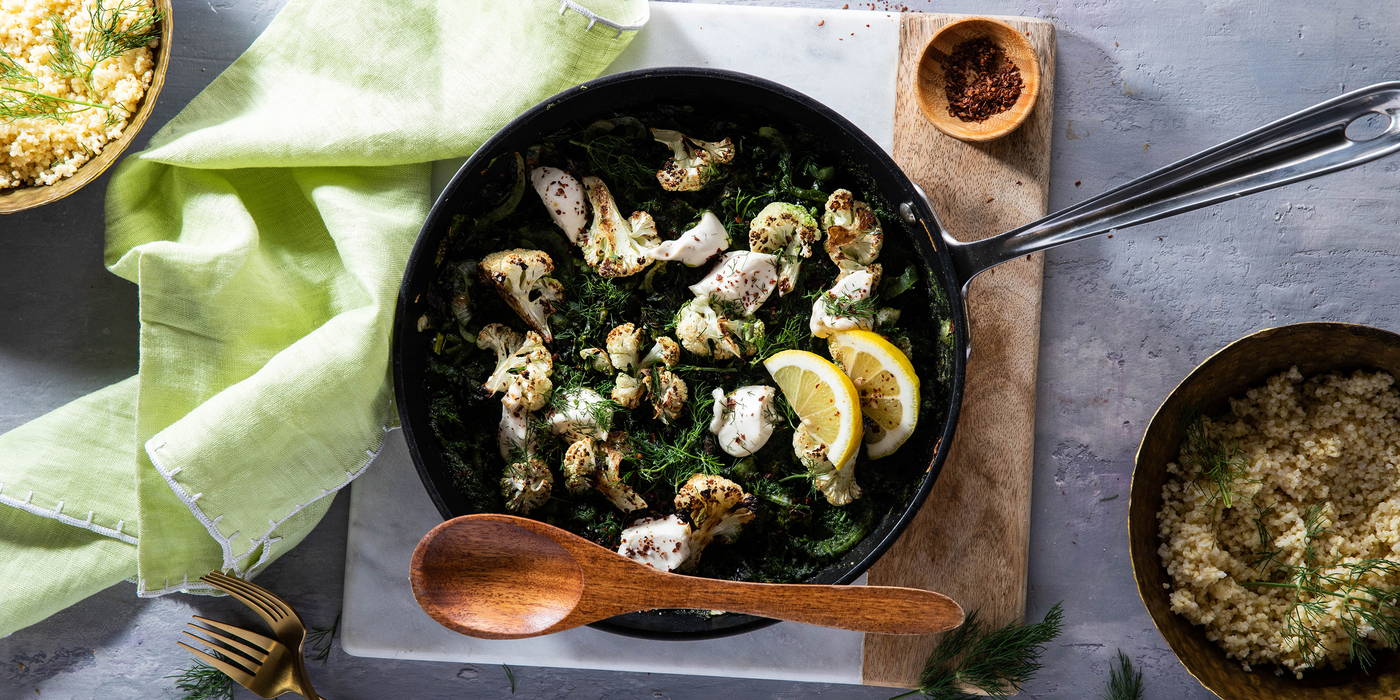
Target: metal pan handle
[1307,144]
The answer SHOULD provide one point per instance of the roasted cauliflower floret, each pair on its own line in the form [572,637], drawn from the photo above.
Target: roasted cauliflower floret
[523,366]
[624,345]
[590,463]
[596,359]
[520,276]
[628,390]
[668,393]
[703,331]
[788,231]
[526,484]
[617,247]
[663,352]
[692,160]
[852,231]
[838,485]
[716,507]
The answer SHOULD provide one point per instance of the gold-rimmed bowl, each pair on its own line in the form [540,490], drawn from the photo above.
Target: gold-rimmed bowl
[21,198]
[1314,348]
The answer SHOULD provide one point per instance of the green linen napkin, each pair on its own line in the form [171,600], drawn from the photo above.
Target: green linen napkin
[268,226]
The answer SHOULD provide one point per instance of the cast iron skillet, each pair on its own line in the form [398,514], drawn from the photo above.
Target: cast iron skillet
[1307,144]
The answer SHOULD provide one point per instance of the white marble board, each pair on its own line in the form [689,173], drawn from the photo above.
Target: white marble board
[845,59]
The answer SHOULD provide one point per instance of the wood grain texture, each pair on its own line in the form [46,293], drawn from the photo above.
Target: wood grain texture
[22,198]
[972,536]
[504,577]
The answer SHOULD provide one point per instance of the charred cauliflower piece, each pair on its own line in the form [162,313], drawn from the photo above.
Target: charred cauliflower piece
[628,390]
[788,231]
[616,247]
[838,485]
[852,231]
[668,393]
[526,484]
[664,352]
[692,160]
[703,331]
[520,276]
[596,359]
[624,344]
[716,507]
[590,463]
[523,366]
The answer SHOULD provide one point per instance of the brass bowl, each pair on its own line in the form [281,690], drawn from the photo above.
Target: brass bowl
[1314,348]
[20,198]
[929,79]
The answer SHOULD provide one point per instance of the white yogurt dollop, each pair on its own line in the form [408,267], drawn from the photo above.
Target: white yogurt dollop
[696,246]
[853,287]
[743,276]
[564,198]
[661,543]
[744,418]
[578,419]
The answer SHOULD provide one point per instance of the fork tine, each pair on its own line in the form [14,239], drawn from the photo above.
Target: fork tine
[248,636]
[267,614]
[237,673]
[271,603]
[257,655]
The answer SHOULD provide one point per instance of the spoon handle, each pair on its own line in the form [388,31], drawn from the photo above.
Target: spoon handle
[874,609]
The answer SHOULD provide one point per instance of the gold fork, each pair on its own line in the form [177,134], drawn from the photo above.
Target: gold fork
[283,620]
[260,664]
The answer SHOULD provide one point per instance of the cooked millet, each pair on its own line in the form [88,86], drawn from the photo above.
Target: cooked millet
[44,151]
[1331,439]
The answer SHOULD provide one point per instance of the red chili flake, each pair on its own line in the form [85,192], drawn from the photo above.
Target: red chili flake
[847,6]
[1110,235]
[1077,183]
[821,23]
[980,81]
[1018,182]
[1159,238]
[990,198]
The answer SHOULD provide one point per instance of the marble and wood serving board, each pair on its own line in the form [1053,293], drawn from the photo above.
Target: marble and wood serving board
[970,541]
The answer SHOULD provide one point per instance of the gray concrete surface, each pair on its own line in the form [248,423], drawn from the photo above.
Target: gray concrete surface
[1140,85]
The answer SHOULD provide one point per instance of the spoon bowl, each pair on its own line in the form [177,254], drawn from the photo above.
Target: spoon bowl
[504,577]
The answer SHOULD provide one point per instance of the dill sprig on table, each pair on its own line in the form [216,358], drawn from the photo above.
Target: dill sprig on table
[320,639]
[1124,681]
[1318,587]
[106,38]
[201,681]
[993,662]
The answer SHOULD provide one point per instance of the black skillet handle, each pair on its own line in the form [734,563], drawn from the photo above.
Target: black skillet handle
[1313,142]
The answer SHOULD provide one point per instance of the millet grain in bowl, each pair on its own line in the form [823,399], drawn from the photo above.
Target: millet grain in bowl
[1283,555]
[43,150]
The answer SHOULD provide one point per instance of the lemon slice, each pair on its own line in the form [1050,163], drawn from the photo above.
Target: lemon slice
[888,388]
[823,397]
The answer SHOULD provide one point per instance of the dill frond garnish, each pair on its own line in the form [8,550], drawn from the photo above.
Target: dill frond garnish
[201,681]
[1338,588]
[993,662]
[1215,462]
[677,459]
[76,59]
[511,675]
[319,641]
[610,159]
[1124,681]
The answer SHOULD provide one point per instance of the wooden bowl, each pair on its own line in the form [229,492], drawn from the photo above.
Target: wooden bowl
[929,81]
[1314,348]
[21,198]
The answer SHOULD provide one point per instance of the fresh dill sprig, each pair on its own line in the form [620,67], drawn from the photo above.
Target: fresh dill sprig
[791,336]
[676,460]
[1214,460]
[77,59]
[993,662]
[201,681]
[1124,681]
[1337,588]
[609,158]
[320,640]
[511,675]
[837,305]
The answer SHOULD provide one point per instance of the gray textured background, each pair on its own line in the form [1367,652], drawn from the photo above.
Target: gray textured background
[1140,85]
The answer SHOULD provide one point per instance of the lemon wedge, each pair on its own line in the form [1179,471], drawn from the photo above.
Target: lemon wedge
[887,384]
[823,398]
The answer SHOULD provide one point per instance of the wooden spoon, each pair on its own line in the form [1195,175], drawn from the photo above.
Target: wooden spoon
[504,577]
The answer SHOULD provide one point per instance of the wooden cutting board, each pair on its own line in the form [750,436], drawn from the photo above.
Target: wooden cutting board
[971,539]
